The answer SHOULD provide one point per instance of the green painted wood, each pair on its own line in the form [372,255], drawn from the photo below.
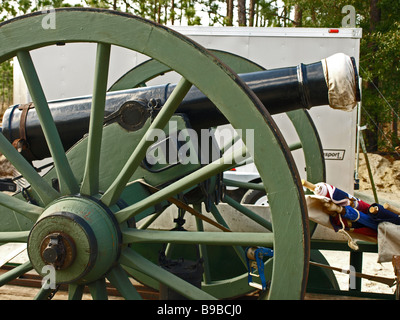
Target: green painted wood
[43,294]
[161,120]
[32,212]
[75,291]
[248,213]
[204,237]
[242,109]
[321,278]
[136,261]
[150,69]
[13,221]
[218,217]
[203,253]
[98,289]
[245,185]
[91,229]
[15,273]
[311,144]
[119,279]
[184,183]
[301,120]
[295,146]
[16,236]
[137,76]
[44,191]
[110,168]
[66,177]
[90,184]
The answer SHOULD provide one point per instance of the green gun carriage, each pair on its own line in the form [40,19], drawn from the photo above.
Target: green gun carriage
[93,215]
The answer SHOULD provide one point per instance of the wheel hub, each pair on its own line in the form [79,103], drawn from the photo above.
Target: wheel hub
[58,249]
[78,236]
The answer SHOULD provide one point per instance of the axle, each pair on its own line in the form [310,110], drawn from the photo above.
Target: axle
[332,81]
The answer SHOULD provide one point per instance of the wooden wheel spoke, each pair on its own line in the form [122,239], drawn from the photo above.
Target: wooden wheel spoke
[14,236]
[211,238]
[218,217]
[161,120]
[15,273]
[203,250]
[249,213]
[75,291]
[81,174]
[28,210]
[245,185]
[90,184]
[45,192]
[67,182]
[43,294]
[133,260]
[98,289]
[179,186]
[119,279]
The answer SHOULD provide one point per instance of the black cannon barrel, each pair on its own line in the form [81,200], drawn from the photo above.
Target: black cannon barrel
[280,90]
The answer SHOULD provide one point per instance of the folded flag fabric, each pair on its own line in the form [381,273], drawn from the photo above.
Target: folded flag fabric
[351,226]
[340,197]
[383,215]
[352,214]
[356,216]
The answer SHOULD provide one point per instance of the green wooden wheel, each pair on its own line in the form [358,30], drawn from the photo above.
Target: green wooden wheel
[79,218]
[309,140]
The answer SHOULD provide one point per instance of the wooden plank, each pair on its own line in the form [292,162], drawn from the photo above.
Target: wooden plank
[9,252]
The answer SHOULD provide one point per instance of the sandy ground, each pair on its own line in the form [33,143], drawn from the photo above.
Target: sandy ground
[340,259]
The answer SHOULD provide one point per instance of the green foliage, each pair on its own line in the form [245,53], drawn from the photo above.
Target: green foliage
[6,85]
[379,58]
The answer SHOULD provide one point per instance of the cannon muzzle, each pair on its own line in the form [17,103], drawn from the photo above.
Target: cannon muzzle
[332,81]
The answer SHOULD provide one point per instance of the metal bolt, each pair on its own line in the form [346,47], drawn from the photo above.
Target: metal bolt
[54,250]
[58,250]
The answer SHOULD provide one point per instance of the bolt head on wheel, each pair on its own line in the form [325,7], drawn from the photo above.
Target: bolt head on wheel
[78,236]
[58,249]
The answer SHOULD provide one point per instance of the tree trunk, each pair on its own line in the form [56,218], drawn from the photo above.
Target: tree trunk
[375,15]
[229,12]
[375,18]
[251,12]
[298,15]
[172,12]
[159,12]
[242,13]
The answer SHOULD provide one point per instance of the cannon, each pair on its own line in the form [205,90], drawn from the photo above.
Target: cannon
[91,217]
[281,90]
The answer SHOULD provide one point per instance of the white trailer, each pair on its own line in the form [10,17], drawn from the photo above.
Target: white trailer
[70,74]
